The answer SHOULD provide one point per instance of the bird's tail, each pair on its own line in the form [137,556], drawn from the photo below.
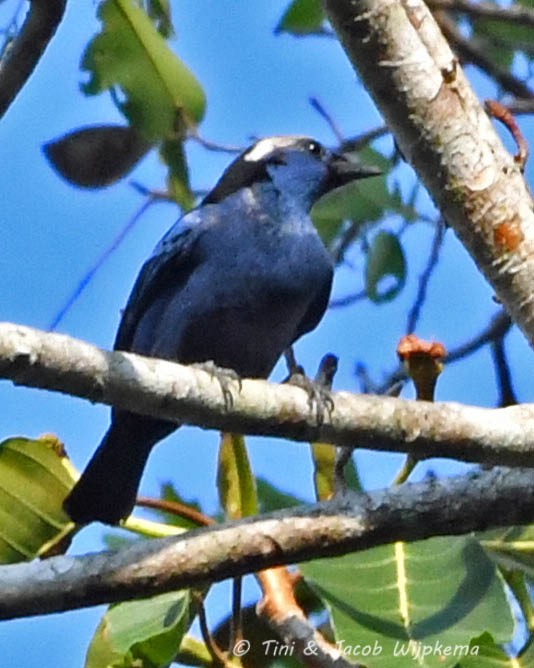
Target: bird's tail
[107,489]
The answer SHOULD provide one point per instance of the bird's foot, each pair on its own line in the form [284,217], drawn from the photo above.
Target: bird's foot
[318,390]
[225,377]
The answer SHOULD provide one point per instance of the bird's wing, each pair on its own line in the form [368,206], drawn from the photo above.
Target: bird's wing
[315,310]
[166,270]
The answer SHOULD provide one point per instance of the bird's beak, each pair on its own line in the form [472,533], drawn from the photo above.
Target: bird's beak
[343,170]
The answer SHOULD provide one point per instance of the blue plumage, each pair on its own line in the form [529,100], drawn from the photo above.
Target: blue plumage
[235,282]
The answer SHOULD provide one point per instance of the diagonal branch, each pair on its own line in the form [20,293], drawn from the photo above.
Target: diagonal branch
[502,497]
[22,56]
[444,133]
[516,13]
[282,612]
[475,51]
[190,395]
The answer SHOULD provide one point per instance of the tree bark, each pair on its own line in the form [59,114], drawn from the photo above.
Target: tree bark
[444,133]
[502,497]
[193,396]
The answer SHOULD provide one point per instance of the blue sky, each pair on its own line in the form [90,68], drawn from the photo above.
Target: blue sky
[256,84]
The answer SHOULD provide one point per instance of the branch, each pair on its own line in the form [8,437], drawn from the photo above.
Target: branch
[445,134]
[474,51]
[424,279]
[190,395]
[23,55]
[280,609]
[518,14]
[502,371]
[502,497]
[497,328]
[520,106]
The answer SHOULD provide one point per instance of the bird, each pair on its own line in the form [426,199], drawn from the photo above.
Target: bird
[234,283]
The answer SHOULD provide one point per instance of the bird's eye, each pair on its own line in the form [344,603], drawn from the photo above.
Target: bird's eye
[315,148]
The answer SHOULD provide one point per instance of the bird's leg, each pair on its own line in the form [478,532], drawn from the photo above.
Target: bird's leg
[318,390]
[225,377]
[293,368]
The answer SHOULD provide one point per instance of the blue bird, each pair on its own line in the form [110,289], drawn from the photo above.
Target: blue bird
[235,282]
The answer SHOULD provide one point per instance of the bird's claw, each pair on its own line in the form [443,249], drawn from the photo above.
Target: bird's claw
[319,397]
[225,377]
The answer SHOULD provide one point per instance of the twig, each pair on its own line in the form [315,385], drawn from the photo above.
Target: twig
[23,54]
[283,613]
[502,113]
[215,651]
[321,110]
[415,311]
[471,50]
[518,14]
[340,244]
[365,138]
[502,497]
[347,300]
[175,508]
[236,625]
[101,260]
[504,379]
[498,326]
[211,145]
[521,106]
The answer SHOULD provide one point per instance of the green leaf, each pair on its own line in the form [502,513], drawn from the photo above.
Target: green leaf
[503,39]
[526,656]
[162,97]
[511,548]
[141,634]
[35,477]
[361,202]
[517,582]
[442,590]
[489,655]
[302,17]
[95,157]
[237,487]
[352,477]
[193,652]
[324,460]
[385,260]
[168,492]
[270,498]
[160,12]
[172,153]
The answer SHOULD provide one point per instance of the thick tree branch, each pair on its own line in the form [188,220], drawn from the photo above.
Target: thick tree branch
[190,395]
[445,134]
[23,55]
[502,497]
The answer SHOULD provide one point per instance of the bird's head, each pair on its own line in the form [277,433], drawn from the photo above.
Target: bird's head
[297,167]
